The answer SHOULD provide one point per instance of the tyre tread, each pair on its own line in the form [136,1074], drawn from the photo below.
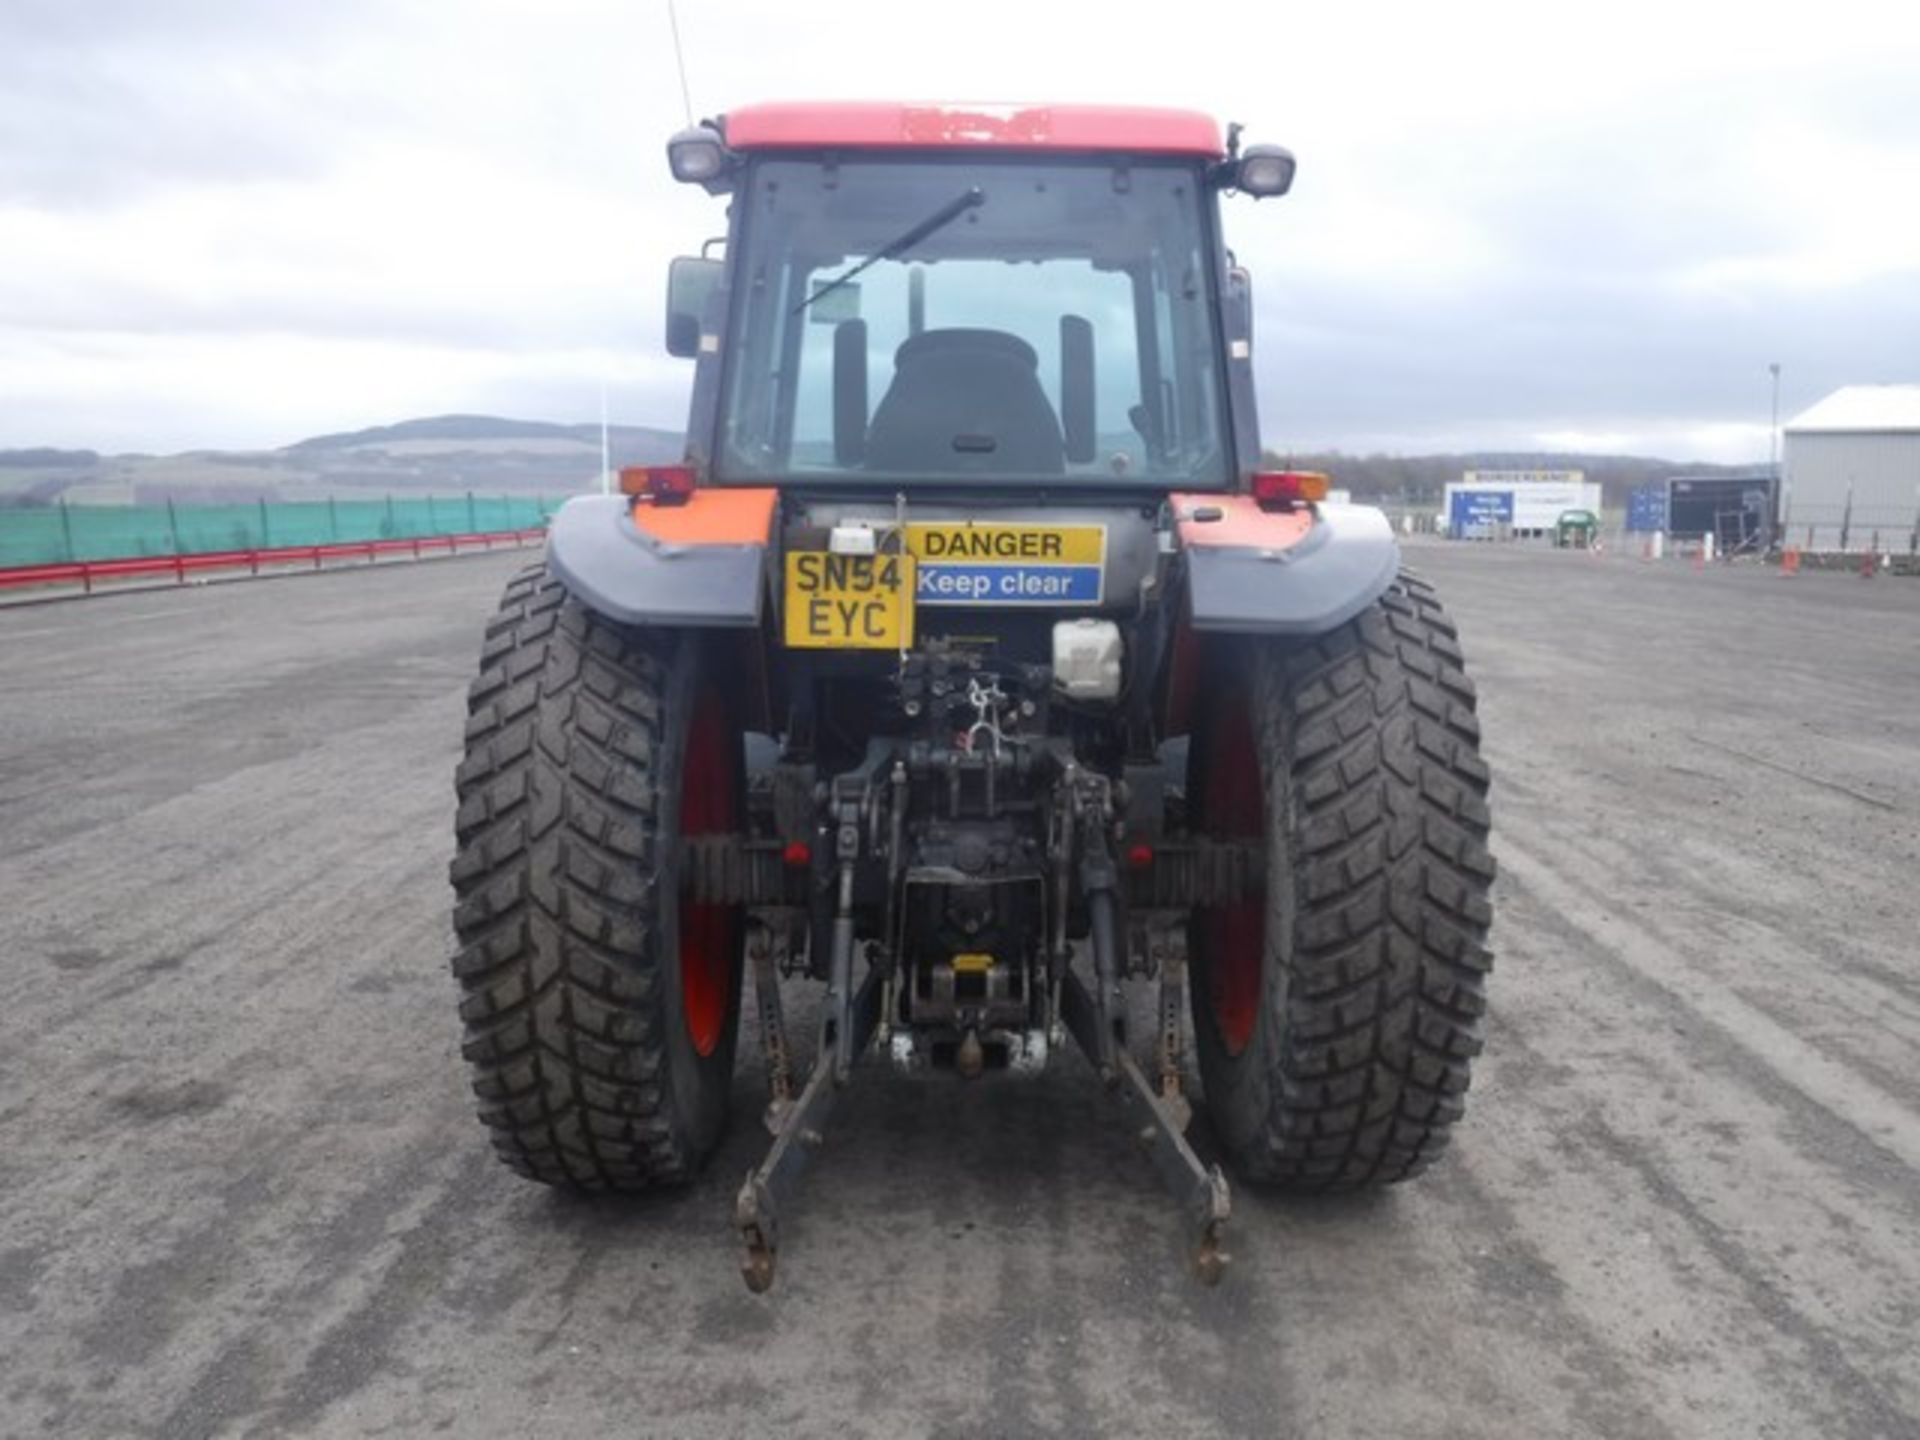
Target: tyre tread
[553,917]
[1377,727]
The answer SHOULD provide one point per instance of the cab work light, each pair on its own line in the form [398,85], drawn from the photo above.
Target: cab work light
[1264,171]
[698,156]
[1284,489]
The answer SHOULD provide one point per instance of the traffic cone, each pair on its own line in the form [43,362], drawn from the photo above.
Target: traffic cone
[1869,565]
[1790,560]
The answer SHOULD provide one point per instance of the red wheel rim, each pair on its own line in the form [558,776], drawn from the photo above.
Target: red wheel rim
[1236,934]
[707,807]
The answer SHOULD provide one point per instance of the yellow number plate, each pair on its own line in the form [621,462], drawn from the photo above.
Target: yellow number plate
[849,602]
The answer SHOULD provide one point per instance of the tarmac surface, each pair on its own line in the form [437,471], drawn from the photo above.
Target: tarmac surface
[242,1190]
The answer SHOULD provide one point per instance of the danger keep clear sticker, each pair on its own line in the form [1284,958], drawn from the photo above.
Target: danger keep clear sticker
[970,563]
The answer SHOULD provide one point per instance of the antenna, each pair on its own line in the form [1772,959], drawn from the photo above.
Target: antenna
[680,59]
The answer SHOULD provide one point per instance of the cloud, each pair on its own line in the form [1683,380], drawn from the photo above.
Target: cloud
[227,223]
[116,98]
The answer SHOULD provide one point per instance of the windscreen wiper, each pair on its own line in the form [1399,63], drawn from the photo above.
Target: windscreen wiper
[967,200]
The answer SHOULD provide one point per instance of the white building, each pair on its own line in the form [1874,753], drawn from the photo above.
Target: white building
[1483,504]
[1853,470]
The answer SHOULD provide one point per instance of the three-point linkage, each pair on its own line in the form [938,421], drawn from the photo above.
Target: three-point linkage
[1155,1108]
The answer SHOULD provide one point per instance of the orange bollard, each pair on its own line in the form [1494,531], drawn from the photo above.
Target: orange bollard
[1790,560]
[1869,565]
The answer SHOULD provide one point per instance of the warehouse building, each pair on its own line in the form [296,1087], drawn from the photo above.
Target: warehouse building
[1853,471]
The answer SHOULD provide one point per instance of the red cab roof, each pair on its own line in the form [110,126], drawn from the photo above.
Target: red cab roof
[890,125]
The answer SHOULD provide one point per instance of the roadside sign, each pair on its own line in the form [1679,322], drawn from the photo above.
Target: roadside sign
[1477,511]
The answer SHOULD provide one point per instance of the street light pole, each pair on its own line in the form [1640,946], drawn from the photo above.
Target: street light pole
[605,452]
[1773,430]
[1781,509]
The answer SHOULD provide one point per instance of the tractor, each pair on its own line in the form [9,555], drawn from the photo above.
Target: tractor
[973,665]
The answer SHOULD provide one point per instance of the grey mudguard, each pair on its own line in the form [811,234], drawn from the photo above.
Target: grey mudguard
[1343,565]
[618,570]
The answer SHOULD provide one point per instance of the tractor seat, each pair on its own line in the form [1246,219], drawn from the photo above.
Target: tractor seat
[966,402]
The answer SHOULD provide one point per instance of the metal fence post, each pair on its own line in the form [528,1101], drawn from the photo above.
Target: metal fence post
[333,520]
[266,537]
[473,525]
[173,526]
[66,531]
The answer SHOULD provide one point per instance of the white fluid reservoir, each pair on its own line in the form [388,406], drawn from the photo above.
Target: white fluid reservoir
[1086,658]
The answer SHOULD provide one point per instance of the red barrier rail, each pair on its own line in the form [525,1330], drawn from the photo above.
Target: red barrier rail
[85,572]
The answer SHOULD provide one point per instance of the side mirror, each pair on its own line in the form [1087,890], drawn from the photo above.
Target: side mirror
[690,285]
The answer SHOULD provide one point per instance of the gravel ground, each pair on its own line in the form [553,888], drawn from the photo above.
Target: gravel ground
[243,1192]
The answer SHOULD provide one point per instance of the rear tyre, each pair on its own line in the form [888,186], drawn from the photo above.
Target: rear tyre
[1336,1015]
[600,1007]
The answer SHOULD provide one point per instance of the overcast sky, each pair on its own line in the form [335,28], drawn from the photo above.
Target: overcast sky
[233,223]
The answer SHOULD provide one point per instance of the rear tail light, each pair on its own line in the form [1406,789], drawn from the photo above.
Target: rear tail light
[1284,489]
[662,484]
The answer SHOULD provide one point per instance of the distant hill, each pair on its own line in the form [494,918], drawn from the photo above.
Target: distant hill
[439,427]
[46,458]
[491,431]
[441,454]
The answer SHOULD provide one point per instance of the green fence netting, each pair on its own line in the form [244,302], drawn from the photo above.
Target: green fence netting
[49,535]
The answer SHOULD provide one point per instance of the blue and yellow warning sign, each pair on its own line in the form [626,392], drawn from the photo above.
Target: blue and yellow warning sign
[965,562]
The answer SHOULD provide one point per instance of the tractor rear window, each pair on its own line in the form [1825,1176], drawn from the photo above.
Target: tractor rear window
[973,320]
